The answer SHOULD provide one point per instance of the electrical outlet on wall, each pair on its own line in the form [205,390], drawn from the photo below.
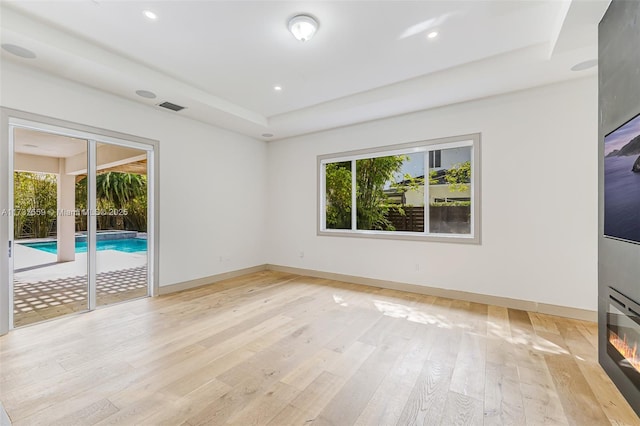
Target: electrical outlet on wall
[301,254]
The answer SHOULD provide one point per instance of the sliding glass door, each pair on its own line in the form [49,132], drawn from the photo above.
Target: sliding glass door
[81,225]
[121,224]
[50,274]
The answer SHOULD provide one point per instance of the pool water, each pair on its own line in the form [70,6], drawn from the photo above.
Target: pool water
[126,245]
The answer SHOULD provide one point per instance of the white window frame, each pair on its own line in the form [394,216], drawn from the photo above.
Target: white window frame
[471,140]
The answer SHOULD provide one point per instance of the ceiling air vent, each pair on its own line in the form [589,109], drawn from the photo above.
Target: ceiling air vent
[172,107]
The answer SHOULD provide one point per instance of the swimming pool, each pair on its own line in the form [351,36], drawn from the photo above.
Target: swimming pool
[126,245]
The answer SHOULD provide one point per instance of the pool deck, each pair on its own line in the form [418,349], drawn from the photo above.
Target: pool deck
[45,289]
[33,265]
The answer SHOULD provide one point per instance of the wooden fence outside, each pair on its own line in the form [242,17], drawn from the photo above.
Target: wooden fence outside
[442,219]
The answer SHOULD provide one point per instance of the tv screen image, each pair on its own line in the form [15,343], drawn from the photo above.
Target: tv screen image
[622,182]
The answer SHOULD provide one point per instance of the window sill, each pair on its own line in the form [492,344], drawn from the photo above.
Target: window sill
[402,236]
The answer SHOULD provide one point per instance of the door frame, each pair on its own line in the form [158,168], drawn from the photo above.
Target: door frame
[10,118]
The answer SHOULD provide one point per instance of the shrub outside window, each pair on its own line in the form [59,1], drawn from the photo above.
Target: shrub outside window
[423,190]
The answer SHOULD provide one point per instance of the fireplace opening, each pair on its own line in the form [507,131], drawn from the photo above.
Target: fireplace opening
[623,335]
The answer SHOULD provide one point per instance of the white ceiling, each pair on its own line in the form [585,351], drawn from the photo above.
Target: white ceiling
[369,59]
[33,142]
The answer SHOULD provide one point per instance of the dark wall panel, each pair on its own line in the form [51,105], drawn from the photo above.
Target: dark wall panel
[619,99]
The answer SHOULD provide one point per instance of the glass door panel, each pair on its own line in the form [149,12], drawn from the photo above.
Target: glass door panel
[49,226]
[121,221]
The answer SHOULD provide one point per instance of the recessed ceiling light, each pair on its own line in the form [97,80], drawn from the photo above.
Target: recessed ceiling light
[585,65]
[30,145]
[19,51]
[146,94]
[277,88]
[267,135]
[432,34]
[149,14]
[303,27]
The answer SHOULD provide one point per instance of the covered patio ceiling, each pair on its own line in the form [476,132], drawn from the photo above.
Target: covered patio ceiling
[41,152]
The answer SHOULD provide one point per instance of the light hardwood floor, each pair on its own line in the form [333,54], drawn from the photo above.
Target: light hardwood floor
[278,349]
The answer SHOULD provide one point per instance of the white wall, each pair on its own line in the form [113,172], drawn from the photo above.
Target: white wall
[539,146]
[539,243]
[206,174]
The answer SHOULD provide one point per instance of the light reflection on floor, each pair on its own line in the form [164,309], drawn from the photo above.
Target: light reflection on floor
[420,316]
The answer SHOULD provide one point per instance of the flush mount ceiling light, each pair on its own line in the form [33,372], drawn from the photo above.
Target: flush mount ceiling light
[18,51]
[585,65]
[432,34]
[146,94]
[277,88]
[303,27]
[150,15]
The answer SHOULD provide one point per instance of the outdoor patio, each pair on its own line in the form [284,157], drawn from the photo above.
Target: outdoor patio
[45,289]
[35,302]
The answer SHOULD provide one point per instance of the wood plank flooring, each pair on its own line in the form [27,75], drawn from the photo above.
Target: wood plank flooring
[278,349]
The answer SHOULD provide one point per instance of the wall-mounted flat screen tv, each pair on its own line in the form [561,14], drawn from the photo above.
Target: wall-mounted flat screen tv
[622,182]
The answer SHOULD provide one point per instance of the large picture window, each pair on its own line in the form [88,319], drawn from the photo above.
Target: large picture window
[421,190]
